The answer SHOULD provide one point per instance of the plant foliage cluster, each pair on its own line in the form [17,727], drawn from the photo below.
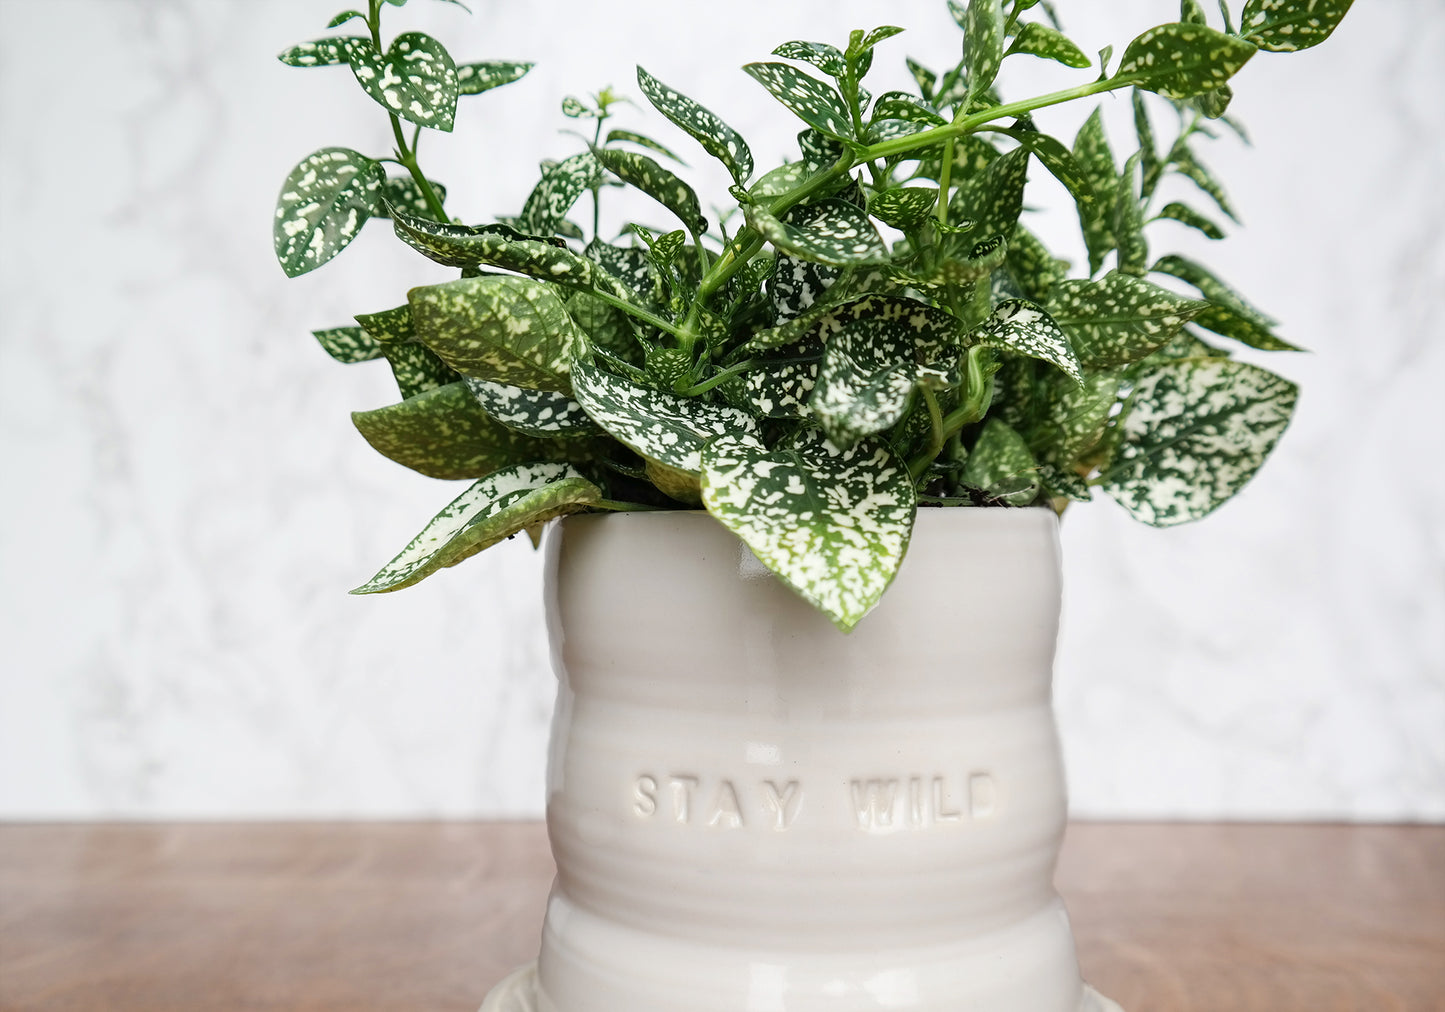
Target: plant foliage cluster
[878,330]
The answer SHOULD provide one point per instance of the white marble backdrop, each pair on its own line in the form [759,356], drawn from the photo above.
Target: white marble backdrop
[185,502]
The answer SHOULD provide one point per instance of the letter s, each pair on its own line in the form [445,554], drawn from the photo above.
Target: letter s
[644,797]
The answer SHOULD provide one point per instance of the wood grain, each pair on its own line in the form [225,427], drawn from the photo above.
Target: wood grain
[368,917]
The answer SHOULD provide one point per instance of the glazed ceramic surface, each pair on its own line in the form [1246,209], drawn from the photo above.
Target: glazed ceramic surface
[752,812]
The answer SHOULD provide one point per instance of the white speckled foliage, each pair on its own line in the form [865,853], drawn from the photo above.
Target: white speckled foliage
[1284,26]
[657,182]
[817,104]
[493,509]
[531,412]
[475,78]
[323,204]
[1181,60]
[1022,327]
[1194,432]
[504,329]
[832,523]
[664,427]
[415,78]
[717,138]
[830,232]
[873,353]
[792,368]
[1118,319]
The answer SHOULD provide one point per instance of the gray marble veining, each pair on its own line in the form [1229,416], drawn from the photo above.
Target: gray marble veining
[186,502]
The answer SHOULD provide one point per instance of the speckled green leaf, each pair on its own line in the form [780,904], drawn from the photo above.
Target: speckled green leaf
[776,182]
[348,345]
[1243,327]
[531,412]
[1149,162]
[1001,465]
[873,349]
[660,426]
[1094,157]
[1033,268]
[902,105]
[812,101]
[1061,163]
[717,138]
[819,151]
[1187,164]
[504,329]
[1194,432]
[782,383]
[1118,319]
[417,369]
[829,231]
[1230,314]
[1285,26]
[1128,222]
[1061,483]
[859,47]
[444,433]
[1040,40]
[629,265]
[505,247]
[1192,13]
[1188,216]
[1179,61]
[828,59]
[322,206]
[994,199]
[982,22]
[665,249]
[389,326]
[1215,103]
[1209,285]
[657,182]
[879,130]
[797,285]
[630,137]
[575,108]
[904,207]
[1024,328]
[832,524]
[491,510]
[415,80]
[475,78]
[344,17]
[923,77]
[606,327]
[403,192]
[321,52]
[1071,418]
[558,190]
[978,261]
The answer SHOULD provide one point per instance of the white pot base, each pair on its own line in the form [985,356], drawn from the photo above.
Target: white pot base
[518,993]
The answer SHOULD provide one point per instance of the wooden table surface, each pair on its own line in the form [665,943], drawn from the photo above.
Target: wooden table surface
[426,916]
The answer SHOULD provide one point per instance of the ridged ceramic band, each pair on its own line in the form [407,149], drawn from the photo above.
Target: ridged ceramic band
[752,812]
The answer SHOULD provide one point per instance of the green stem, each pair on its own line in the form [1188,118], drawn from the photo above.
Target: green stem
[719,378]
[597,188]
[968,124]
[405,154]
[945,180]
[975,405]
[636,311]
[935,419]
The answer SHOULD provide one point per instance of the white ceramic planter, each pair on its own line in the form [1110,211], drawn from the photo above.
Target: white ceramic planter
[752,812]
